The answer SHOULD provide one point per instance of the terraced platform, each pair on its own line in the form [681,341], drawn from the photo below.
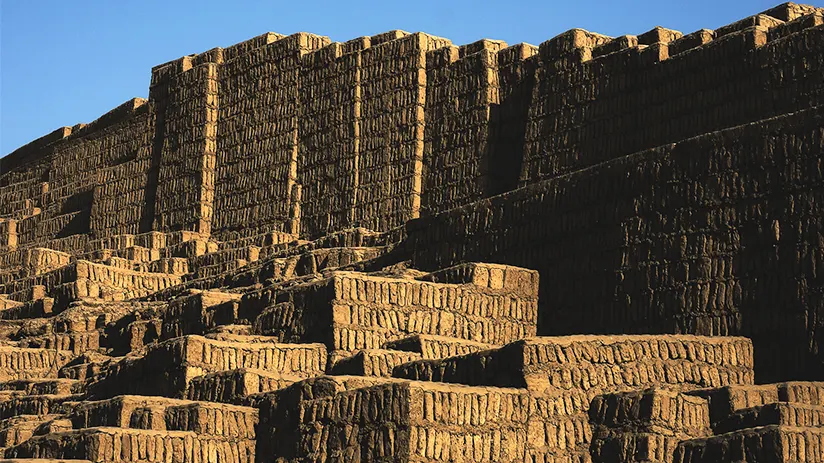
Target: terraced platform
[396,249]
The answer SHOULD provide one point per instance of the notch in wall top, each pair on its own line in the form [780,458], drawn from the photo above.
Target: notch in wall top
[484,44]
[162,72]
[617,44]
[799,24]
[653,53]
[418,41]
[357,44]
[387,36]
[324,55]
[659,34]
[240,48]
[790,11]
[517,52]
[759,20]
[690,41]
[442,57]
[302,41]
[215,55]
[570,40]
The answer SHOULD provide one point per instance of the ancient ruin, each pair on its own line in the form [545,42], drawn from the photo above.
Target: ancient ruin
[398,249]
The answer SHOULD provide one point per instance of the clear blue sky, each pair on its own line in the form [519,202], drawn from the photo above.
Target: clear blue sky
[63,62]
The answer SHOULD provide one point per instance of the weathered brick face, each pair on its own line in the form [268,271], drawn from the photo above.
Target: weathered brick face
[598,249]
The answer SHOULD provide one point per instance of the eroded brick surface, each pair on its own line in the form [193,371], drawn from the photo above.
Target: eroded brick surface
[397,248]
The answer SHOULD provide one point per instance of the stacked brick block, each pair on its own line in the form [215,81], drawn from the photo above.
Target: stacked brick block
[188,97]
[351,311]
[645,425]
[330,138]
[284,235]
[462,88]
[258,136]
[682,238]
[598,98]
[393,98]
[566,375]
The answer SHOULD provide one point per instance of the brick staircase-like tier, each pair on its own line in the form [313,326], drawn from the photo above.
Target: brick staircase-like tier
[396,249]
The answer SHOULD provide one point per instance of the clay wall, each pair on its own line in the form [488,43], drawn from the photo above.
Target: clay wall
[187,97]
[53,195]
[393,98]
[257,146]
[328,160]
[597,98]
[303,136]
[684,238]
[462,88]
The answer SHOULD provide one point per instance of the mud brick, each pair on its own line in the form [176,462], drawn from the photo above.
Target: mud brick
[213,419]
[160,413]
[416,414]
[640,266]
[8,234]
[483,44]
[26,363]
[83,279]
[233,386]
[168,367]
[139,254]
[422,425]
[659,35]
[257,145]
[759,20]
[331,94]
[782,413]
[390,163]
[242,48]
[351,311]
[645,425]
[60,386]
[372,362]
[596,364]
[437,347]
[616,44]
[462,88]
[122,445]
[767,443]
[184,201]
[813,19]
[278,431]
[652,410]
[806,392]
[14,404]
[173,266]
[569,41]
[510,279]
[85,366]
[690,41]
[193,313]
[43,260]
[724,401]
[659,183]
[41,460]
[151,240]
[16,430]
[34,308]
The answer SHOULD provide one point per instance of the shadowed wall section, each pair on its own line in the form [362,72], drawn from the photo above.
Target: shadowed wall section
[660,182]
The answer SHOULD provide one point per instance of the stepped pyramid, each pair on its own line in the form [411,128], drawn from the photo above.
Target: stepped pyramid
[397,249]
